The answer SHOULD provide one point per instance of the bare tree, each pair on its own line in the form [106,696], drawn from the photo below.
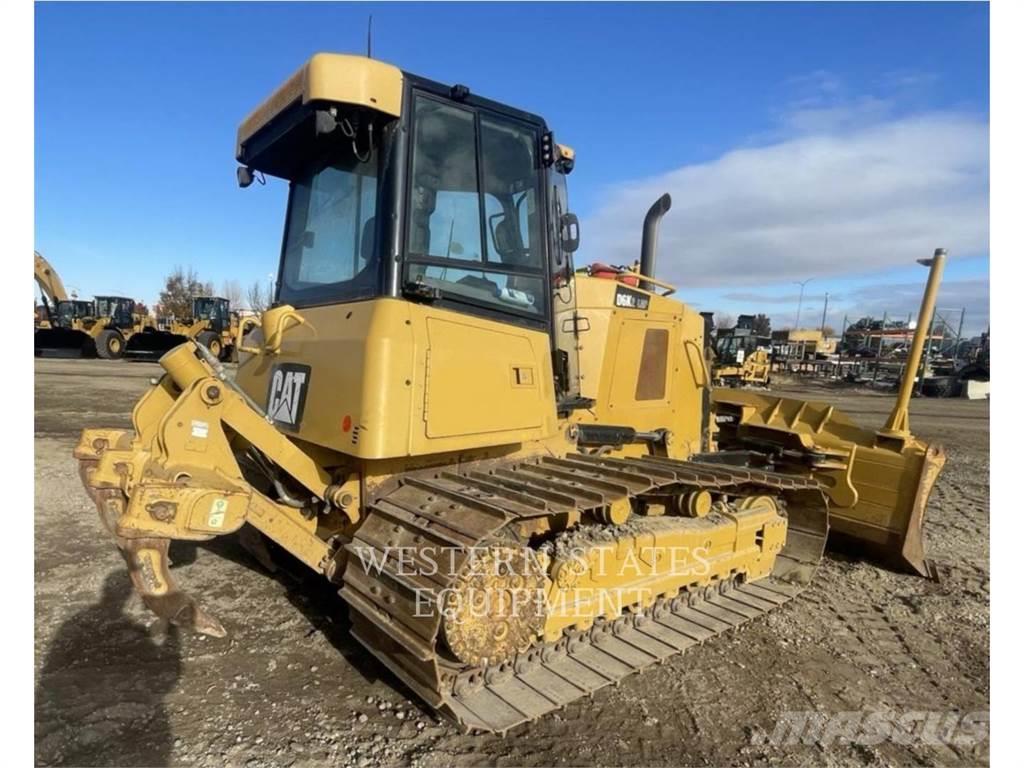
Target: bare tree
[232,291]
[259,297]
[180,288]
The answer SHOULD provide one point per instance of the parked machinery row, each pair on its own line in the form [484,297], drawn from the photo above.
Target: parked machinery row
[110,328]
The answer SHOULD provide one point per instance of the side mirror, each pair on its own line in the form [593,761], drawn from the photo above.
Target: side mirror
[245,176]
[570,232]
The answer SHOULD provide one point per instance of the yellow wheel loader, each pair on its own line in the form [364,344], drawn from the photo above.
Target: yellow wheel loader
[517,475]
[102,327]
[212,324]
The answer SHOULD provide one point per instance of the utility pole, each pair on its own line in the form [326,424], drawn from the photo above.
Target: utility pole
[906,342]
[959,331]
[824,314]
[881,341]
[800,301]
[842,343]
[927,354]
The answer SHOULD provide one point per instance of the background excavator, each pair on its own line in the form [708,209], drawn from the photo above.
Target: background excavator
[51,288]
[518,475]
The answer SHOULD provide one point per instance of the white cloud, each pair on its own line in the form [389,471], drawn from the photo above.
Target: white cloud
[902,299]
[849,191]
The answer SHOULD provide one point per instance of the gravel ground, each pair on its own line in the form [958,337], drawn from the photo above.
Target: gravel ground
[289,687]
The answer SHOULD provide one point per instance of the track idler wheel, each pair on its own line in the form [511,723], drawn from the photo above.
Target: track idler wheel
[495,609]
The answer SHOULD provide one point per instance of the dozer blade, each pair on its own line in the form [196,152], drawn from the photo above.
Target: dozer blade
[878,483]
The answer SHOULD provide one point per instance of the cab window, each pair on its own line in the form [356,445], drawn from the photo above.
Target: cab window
[474,228]
[329,249]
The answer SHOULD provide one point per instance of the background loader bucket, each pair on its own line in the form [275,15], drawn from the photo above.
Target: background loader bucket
[65,340]
[151,344]
[878,483]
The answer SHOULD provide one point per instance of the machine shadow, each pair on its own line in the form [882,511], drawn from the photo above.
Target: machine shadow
[315,597]
[99,699]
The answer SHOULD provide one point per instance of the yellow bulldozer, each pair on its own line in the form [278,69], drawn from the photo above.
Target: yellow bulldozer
[518,475]
[740,358]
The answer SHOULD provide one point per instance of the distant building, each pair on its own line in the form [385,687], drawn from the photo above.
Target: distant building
[802,343]
[869,334]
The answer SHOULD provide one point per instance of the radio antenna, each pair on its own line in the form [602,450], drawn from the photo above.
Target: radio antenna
[369,37]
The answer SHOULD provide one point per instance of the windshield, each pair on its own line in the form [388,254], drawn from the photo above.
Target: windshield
[72,310]
[113,306]
[329,252]
[209,309]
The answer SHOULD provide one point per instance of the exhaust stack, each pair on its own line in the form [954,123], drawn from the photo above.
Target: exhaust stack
[649,243]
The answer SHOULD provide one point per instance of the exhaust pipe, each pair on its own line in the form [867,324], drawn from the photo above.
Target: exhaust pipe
[709,326]
[649,243]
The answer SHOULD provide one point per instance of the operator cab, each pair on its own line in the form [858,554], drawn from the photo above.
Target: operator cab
[71,310]
[215,310]
[118,308]
[405,188]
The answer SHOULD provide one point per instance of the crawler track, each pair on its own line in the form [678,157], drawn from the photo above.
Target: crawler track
[459,510]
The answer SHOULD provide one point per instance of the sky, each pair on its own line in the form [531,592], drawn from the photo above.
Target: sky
[832,143]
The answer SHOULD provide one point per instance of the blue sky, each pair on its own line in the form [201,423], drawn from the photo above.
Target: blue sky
[832,141]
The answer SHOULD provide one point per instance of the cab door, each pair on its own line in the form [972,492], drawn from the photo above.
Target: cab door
[567,324]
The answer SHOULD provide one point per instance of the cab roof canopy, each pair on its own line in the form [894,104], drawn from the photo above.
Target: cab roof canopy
[272,136]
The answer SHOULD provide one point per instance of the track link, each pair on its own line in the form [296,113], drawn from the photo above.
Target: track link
[396,615]
[553,675]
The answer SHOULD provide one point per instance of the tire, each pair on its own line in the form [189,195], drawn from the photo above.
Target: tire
[212,342]
[110,345]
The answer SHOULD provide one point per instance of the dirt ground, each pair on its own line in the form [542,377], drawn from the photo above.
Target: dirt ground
[289,687]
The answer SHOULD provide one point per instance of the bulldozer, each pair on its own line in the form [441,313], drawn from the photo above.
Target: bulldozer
[741,359]
[518,476]
[212,324]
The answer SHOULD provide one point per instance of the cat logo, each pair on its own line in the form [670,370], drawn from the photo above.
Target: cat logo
[287,396]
